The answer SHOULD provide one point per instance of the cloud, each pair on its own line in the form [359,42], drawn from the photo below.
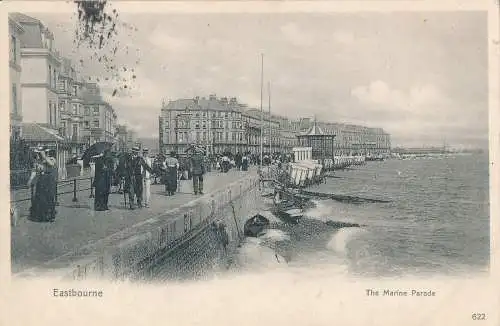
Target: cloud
[390,71]
[145,93]
[162,40]
[297,37]
[343,37]
[417,99]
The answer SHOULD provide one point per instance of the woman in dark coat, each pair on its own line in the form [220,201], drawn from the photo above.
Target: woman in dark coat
[244,163]
[44,180]
[102,181]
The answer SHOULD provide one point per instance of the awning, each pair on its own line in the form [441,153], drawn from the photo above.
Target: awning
[33,132]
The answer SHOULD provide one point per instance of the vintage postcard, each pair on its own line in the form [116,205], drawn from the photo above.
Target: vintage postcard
[243,163]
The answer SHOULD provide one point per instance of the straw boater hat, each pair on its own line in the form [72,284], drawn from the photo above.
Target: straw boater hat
[145,150]
[135,149]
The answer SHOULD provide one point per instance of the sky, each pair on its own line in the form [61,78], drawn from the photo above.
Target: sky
[421,76]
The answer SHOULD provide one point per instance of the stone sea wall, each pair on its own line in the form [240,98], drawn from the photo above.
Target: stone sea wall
[183,243]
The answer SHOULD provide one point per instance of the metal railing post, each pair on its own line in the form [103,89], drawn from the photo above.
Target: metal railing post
[74,191]
[55,199]
[91,188]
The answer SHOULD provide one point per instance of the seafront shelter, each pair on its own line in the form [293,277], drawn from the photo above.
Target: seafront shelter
[322,144]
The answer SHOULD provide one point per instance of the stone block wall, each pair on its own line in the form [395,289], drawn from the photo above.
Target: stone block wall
[183,243]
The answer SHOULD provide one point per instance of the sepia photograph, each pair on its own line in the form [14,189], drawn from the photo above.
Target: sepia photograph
[170,148]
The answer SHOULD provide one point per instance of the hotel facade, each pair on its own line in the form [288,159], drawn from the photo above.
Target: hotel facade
[51,103]
[16,112]
[224,124]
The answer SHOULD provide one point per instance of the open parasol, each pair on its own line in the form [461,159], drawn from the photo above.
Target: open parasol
[95,149]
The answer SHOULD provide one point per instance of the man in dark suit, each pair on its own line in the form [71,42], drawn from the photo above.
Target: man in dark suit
[197,171]
[137,167]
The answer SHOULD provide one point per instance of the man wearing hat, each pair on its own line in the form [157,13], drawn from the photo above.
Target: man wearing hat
[197,170]
[137,166]
[147,176]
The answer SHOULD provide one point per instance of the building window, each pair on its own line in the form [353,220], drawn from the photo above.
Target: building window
[54,76]
[86,124]
[204,136]
[225,115]
[227,136]
[87,110]
[62,105]
[95,124]
[197,114]
[50,114]
[198,136]
[75,90]
[75,131]
[50,75]
[233,136]
[204,125]
[197,124]
[166,124]
[63,128]
[75,108]
[13,49]
[96,110]
[14,99]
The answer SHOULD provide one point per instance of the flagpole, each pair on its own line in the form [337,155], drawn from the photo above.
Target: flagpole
[270,134]
[261,111]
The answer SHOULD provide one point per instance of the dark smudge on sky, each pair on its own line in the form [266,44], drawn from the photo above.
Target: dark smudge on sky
[97,26]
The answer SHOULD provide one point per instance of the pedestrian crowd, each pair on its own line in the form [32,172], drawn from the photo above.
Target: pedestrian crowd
[132,173]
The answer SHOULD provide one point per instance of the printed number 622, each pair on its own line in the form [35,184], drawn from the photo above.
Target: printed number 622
[478,316]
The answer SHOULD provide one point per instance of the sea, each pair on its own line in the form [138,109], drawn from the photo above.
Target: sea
[432,218]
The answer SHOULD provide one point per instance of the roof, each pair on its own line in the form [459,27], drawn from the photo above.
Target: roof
[33,29]
[211,103]
[315,130]
[15,24]
[91,94]
[22,18]
[66,67]
[256,113]
[34,132]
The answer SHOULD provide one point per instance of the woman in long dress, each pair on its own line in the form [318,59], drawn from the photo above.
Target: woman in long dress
[44,180]
[171,166]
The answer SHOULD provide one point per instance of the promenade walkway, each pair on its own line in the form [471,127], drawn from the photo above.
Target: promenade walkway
[77,225]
